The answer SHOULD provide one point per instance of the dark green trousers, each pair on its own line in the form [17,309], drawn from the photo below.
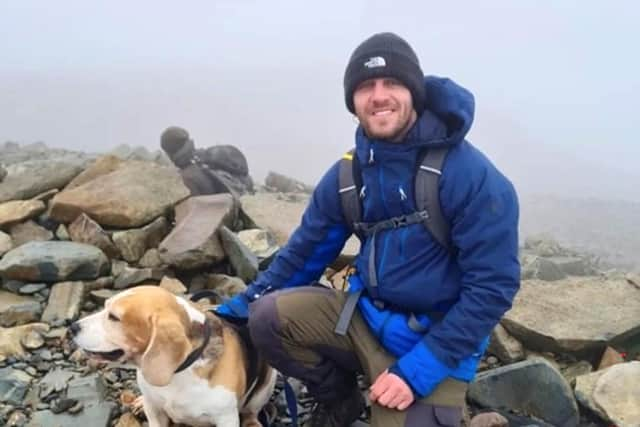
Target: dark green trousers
[294,329]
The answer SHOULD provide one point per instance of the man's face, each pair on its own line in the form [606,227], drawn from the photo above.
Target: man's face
[384,108]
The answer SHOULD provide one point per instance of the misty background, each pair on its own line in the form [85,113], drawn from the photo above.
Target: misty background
[557,87]
[557,84]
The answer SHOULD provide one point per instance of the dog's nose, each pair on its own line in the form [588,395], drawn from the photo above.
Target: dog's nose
[74,328]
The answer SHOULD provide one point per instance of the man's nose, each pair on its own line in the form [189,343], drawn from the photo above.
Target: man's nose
[74,328]
[379,92]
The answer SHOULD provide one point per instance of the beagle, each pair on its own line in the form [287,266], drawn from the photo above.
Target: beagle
[193,368]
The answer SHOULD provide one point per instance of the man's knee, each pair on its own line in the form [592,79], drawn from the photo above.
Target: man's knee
[264,322]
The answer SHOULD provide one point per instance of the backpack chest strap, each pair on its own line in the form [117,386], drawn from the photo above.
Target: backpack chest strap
[371,229]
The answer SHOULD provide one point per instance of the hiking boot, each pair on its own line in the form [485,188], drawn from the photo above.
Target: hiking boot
[337,413]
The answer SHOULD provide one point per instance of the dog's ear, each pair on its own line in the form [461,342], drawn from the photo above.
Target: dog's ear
[168,347]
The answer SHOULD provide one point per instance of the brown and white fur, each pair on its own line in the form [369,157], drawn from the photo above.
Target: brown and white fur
[156,331]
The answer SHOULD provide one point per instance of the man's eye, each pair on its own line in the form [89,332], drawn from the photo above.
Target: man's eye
[113,317]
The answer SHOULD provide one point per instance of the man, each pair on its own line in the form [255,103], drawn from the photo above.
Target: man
[212,170]
[403,276]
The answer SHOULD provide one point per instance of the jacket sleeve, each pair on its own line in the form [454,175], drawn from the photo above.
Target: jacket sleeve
[484,211]
[316,242]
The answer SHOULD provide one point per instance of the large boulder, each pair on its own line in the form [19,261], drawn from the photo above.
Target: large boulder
[130,196]
[53,262]
[194,241]
[16,211]
[27,179]
[518,387]
[575,315]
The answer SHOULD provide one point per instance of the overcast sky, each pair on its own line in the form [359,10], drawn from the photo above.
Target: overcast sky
[557,83]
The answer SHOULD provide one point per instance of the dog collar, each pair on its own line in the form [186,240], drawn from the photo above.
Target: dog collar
[195,354]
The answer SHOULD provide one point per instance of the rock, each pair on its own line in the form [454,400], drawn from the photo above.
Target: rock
[100,296]
[17,211]
[281,218]
[543,245]
[575,370]
[131,196]
[94,416]
[32,288]
[27,179]
[29,231]
[617,394]
[151,259]
[6,244]
[3,173]
[128,420]
[17,419]
[225,286]
[489,419]
[87,389]
[609,358]
[130,276]
[63,405]
[85,230]
[504,346]
[13,385]
[134,243]
[541,268]
[174,286]
[584,387]
[65,301]
[243,261]
[103,165]
[560,316]
[11,338]
[32,341]
[517,387]
[285,184]
[573,266]
[194,241]
[62,233]
[54,381]
[260,242]
[53,262]
[17,309]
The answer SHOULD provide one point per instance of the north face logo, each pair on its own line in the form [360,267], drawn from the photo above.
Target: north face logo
[375,62]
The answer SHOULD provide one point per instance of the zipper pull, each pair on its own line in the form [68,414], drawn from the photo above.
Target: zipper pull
[403,195]
[371,159]
[363,191]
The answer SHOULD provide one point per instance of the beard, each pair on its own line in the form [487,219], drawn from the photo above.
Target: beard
[391,127]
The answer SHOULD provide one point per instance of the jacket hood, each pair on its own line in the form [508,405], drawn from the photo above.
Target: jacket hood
[448,115]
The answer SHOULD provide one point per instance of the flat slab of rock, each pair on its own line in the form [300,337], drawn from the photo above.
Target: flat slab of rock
[573,315]
[243,261]
[17,309]
[133,244]
[65,301]
[281,217]
[53,262]
[98,415]
[194,241]
[17,211]
[103,165]
[85,230]
[27,179]
[518,386]
[130,196]
[29,231]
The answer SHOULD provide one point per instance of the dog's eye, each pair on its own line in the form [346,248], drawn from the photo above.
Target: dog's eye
[113,317]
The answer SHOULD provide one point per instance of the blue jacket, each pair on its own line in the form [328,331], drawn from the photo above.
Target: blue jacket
[415,274]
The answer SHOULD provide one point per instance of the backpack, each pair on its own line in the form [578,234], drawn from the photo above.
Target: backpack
[426,190]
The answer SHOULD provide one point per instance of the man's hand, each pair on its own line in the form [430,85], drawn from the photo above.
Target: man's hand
[391,391]
[235,310]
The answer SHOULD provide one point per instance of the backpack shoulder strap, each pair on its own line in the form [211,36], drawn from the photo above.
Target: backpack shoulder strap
[427,192]
[349,183]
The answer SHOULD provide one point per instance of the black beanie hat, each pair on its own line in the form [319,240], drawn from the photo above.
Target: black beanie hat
[385,55]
